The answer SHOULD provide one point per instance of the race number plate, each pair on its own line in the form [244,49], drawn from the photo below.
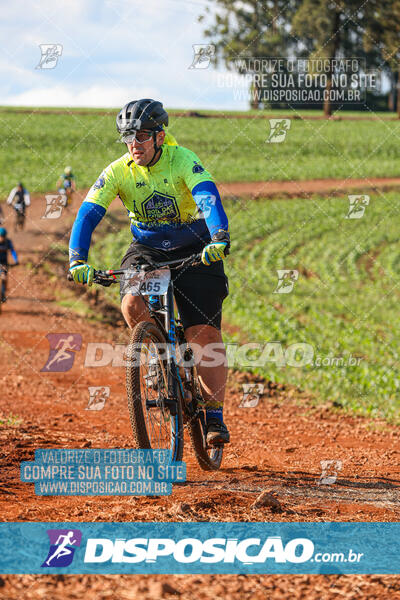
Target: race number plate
[154,283]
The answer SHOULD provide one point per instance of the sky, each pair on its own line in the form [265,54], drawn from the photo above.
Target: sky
[113,51]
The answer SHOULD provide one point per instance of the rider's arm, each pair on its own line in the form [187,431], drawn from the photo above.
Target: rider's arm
[12,250]
[92,210]
[204,192]
[27,198]
[208,200]
[12,195]
[87,219]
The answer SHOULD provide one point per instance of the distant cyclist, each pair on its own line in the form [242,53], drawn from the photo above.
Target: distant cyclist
[19,199]
[6,246]
[66,184]
[1,215]
[175,211]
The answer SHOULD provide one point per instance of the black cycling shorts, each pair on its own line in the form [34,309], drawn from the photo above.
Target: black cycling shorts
[199,291]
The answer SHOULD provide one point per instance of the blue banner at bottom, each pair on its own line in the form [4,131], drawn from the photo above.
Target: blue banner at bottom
[193,548]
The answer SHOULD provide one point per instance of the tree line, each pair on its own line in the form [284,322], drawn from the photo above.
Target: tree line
[308,29]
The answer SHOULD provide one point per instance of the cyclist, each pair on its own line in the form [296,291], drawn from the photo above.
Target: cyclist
[6,245]
[1,215]
[175,210]
[19,199]
[66,183]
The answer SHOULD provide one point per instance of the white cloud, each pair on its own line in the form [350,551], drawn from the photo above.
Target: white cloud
[112,51]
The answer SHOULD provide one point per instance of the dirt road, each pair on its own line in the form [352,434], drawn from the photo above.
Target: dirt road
[276,446]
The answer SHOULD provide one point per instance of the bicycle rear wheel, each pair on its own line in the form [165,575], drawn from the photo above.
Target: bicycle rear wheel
[208,457]
[156,421]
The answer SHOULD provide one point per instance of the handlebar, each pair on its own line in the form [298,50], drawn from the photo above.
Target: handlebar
[109,276]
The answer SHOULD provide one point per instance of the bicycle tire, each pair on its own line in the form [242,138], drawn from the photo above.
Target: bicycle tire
[208,460]
[135,403]
[2,292]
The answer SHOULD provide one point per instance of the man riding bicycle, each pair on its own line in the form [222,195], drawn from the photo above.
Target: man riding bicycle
[19,199]
[66,183]
[175,211]
[6,245]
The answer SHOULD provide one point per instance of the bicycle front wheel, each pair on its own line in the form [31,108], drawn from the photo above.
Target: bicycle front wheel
[156,419]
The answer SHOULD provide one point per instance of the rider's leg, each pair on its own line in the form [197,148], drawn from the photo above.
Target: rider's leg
[134,310]
[3,284]
[213,371]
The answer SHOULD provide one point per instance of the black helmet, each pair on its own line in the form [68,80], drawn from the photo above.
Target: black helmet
[141,114]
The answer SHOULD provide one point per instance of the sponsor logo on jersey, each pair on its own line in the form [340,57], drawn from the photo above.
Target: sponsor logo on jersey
[197,168]
[160,207]
[100,182]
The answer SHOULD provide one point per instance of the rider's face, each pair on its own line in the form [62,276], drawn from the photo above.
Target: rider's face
[142,153]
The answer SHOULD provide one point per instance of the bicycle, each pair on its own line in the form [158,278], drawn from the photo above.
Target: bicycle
[19,217]
[66,195]
[3,282]
[164,396]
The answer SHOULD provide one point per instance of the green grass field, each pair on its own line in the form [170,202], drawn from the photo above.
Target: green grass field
[344,303]
[36,147]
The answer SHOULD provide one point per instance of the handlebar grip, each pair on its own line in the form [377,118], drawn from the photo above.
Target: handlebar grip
[69,277]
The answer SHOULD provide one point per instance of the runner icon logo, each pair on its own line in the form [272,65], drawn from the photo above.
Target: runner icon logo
[251,394]
[202,56]
[358,204]
[54,206]
[63,543]
[62,351]
[50,55]
[278,130]
[97,397]
[286,280]
[329,472]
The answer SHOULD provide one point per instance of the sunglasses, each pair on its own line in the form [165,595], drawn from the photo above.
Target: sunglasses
[140,136]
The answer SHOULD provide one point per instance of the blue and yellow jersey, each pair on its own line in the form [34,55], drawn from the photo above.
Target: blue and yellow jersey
[157,195]
[165,202]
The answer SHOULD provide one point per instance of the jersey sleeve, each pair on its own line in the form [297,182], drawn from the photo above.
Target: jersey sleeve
[191,168]
[11,195]
[105,189]
[12,250]
[87,219]
[208,200]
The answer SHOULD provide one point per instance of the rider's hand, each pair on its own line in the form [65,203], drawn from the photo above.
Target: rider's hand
[82,272]
[217,249]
